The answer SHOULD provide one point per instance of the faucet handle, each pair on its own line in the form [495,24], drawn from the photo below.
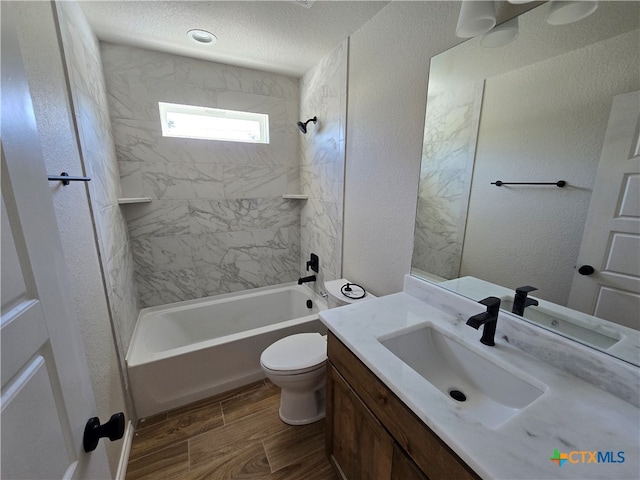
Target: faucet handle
[525,289]
[490,302]
[313,263]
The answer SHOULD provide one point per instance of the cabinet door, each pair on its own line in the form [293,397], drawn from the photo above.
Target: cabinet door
[403,466]
[357,442]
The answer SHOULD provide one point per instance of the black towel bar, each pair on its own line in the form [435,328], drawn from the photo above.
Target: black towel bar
[65,178]
[559,183]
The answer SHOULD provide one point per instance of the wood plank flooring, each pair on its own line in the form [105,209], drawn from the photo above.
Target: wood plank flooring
[234,435]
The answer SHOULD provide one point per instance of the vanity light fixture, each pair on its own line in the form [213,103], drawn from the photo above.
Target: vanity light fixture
[476,17]
[501,35]
[202,37]
[562,12]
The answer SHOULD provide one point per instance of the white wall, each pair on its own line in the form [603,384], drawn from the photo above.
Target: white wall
[43,63]
[543,122]
[388,76]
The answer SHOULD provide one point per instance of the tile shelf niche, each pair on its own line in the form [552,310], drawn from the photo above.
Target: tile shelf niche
[292,196]
[128,200]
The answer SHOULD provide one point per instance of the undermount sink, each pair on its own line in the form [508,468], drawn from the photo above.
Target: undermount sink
[488,392]
[564,325]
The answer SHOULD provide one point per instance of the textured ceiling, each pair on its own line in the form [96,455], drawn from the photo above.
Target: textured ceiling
[536,42]
[280,37]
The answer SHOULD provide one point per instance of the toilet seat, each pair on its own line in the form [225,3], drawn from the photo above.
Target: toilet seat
[295,354]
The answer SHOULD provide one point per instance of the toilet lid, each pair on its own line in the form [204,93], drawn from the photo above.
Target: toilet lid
[295,352]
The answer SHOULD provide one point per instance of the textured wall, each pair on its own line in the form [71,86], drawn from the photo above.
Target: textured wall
[448,150]
[56,126]
[217,222]
[324,94]
[388,76]
[544,122]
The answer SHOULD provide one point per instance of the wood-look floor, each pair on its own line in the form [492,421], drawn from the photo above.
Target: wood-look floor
[234,435]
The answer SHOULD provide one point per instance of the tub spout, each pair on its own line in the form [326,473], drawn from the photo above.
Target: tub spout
[310,278]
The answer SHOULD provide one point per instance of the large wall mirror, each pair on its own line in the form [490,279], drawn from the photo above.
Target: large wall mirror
[537,110]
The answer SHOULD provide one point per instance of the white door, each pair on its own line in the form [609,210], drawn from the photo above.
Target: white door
[611,240]
[46,391]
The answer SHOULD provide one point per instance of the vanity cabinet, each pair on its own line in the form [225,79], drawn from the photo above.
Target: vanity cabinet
[372,435]
[360,445]
[403,466]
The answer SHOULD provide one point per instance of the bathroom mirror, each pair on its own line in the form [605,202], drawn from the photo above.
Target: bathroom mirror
[533,110]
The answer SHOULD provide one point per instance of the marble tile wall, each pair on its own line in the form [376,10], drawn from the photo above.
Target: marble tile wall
[89,98]
[217,221]
[323,93]
[448,151]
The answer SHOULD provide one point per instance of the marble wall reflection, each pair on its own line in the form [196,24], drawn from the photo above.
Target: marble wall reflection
[450,136]
[324,94]
[88,91]
[217,222]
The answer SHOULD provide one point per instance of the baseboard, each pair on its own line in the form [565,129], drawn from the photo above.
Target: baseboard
[124,454]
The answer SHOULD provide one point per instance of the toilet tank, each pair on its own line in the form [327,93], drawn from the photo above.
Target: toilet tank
[336,297]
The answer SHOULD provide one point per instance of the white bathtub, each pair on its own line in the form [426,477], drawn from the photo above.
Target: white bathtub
[187,351]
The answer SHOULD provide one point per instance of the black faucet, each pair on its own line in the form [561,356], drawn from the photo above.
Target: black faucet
[520,301]
[489,319]
[310,278]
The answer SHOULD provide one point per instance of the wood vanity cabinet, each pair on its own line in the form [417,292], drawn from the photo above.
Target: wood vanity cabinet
[372,435]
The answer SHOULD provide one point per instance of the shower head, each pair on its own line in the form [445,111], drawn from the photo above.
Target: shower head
[303,126]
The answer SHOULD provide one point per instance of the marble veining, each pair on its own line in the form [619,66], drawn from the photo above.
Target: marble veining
[450,134]
[254,182]
[573,413]
[217,220]
[159,218]
[102,171]
[164,181]
[223,192]
[323,94]
[168,286]
[242,214]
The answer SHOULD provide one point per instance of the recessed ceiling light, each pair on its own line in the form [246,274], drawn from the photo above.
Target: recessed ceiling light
[202,37]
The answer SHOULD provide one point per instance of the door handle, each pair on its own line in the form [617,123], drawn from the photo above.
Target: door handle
[586,270]
[93,431]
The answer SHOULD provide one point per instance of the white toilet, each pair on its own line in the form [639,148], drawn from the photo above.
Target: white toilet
[297,364]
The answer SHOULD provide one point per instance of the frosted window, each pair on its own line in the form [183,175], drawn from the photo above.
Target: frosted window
[190,121]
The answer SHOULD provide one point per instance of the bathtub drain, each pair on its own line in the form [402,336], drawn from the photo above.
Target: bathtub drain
[458,395]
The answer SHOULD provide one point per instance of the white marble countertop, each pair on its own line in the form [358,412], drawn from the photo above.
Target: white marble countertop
[571,415]
[627,348]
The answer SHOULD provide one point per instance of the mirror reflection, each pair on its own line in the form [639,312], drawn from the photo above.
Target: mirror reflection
[537,110]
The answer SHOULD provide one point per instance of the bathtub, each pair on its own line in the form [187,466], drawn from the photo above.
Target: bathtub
[186,351]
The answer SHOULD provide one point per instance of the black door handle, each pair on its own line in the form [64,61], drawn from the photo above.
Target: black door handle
[586,270]
[93,431]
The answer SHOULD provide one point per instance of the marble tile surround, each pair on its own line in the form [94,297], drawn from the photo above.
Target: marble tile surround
[451,128]
[217,222]
[323,94]
[89,97]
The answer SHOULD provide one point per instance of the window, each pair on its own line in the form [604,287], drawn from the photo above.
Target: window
[189,121]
